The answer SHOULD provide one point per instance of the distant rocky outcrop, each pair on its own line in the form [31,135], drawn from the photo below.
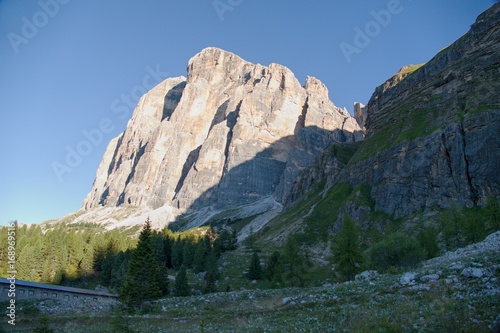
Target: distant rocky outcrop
[229,134]
[360,113]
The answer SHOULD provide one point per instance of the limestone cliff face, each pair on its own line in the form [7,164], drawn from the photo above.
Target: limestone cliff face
[440,126]
[230,133]
[432,131]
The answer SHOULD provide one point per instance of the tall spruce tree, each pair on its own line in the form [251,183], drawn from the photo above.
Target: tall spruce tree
[493,213]
[200,257]
[212,274]
[255,269]
[119,271]
[274,268]
[141,282]
[188,251]
[181,287]
[293,264]
[161,258]
[177,253]
[167,248]
[346,251]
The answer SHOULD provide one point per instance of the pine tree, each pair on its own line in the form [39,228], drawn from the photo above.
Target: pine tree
[293,264]
[428,239]
[493,213]
[346,252]
[212,274]
[167,249]
[255,270]
[450,224]
[189,249]
[141,282]
[200,256]
[104,258]
[274,268]
[26,264]
[118,271]
[233,241]
[210,282]
[159,250]
[250,240]
[181,287]
[473,226]
[218,246]
[177,253]
[226,241]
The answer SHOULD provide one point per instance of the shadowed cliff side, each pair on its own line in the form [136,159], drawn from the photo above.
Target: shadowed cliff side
[433,132]
[262,177]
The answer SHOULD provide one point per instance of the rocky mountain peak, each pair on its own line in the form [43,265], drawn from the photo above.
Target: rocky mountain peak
[232,133]
[214,64]
[313,85]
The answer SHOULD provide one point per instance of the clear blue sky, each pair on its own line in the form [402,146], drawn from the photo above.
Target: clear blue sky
[82,56]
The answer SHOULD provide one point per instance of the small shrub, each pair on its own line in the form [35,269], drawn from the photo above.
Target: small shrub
[473,226]
[120,323]
[396,250]
[274,269]
[428,239]
[450,228]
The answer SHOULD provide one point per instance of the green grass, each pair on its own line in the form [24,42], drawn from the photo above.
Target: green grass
[410,69]
[424,110]
[482,108]
[404,124]
[236,224]
[318,223]
[283,222]
[343,151]
[325,214]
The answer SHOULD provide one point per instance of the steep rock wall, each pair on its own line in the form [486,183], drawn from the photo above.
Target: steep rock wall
[229,134]
[432,131]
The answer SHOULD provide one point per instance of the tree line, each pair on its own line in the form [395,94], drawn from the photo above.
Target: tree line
[146,277]
[455,227]
[138,269]
[60,255]
[286,268]
[87,256]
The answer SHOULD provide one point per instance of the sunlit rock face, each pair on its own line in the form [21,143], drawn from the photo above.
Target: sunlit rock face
[229,134]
